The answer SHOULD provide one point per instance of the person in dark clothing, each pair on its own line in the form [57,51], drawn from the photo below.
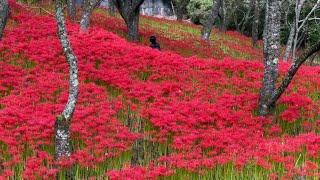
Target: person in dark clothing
[154,43]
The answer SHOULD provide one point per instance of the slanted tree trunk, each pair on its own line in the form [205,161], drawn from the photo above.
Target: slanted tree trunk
[292,71]
[4,13]
[289,43]
[63,121]
[255,23]
[88,8]
[271,54]
[130,11]
[72,9]
[208,25]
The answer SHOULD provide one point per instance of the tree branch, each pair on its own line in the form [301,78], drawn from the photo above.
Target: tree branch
[292,71]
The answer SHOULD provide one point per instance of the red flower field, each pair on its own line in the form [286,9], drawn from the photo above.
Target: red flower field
[190,116]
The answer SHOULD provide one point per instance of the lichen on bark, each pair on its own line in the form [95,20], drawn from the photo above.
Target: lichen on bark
[62,131]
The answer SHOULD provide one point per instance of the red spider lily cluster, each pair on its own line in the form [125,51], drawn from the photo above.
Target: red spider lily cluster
[203,110]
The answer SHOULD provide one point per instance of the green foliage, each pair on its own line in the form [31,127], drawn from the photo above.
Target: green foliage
[198,10]
[181,7]
[313,33]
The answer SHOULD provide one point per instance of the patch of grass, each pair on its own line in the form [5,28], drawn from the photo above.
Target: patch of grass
[6,92]
[143,75]
[56,94]
[112,90]
[315,96]
[228,73]
[97,64]
[228,171]
[231,52]
[21,61]
[145,150]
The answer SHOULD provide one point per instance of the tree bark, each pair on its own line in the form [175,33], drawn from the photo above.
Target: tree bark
[224,18]
[4,13]
[133,26]
[180,7]
[62,124]
[289,43]
[255,23]
[271,54]
[208,25]
[245,19]
[88,8]
[130,11]
[292,71]
[111,8]
[299,24]
[138,155]
[72,9]
[179,14]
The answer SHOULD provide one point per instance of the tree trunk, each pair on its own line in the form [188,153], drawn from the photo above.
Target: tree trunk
[4,13]
[138,156]
[292,71]
[255,23]
[180,8]
[72,9]
[62,131]
[88,8]
[289,43]
[245,20]
[235,20]
[85,21]
[271,55]
[133,26]
[130,11]
[208,25]
[179,13]
[224,19]
[111,8]
[265,28]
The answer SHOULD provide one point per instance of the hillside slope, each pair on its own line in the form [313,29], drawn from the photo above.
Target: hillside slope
[174,116]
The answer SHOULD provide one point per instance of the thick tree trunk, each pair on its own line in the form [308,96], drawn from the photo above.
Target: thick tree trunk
[130,11]
[255,23]
[4,13]
[72,9]
[133,26]
[88,8]
[271,55]
[289,43]
[62,132]
[208,25]
[292,71]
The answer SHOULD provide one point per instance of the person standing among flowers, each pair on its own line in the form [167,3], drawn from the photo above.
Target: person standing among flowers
[154,44]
